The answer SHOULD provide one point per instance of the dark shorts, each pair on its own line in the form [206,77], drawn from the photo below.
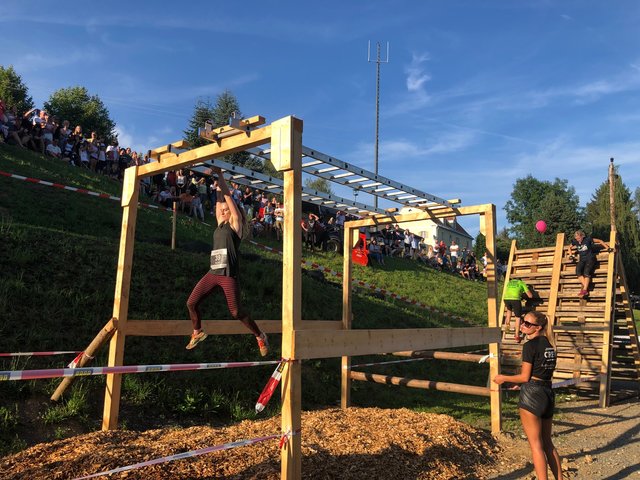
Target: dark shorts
[537,398]
[515,306]
[586,267]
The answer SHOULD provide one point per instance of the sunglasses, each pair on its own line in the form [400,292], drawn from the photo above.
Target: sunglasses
[529,324]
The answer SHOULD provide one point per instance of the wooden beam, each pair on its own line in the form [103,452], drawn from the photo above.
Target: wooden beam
[157,153]
[237,143]
[421,215]
[286,147]
[323,344]
[488,223]
[241,126]
[350,238]
[609,319]
[424,384]
[168,328]
[130,193]
[558,255]
[436,355]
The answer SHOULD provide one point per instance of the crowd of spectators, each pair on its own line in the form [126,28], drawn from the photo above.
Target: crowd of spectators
[47,135]
[196,194]
[392,241]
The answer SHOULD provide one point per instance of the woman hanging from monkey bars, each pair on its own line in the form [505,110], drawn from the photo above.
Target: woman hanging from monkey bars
[224,268]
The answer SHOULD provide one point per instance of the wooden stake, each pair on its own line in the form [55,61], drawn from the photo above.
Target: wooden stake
[88,354]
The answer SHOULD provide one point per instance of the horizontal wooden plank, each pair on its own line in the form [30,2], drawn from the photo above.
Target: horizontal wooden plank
[167,328]
[327,344]
[424,384]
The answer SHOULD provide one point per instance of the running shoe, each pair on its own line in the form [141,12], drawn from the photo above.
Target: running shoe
[196,338]
[263,344]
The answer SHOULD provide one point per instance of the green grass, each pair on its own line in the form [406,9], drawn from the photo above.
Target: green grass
[58,254]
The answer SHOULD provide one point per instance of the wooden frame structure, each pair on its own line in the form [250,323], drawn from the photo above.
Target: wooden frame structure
[328,338]
[584,330]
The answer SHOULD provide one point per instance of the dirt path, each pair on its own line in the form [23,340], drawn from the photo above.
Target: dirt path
[595,444]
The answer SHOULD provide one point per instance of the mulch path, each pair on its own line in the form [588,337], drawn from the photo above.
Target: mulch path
[359,443]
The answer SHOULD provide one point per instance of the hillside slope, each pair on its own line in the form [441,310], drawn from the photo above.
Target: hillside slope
[58,252]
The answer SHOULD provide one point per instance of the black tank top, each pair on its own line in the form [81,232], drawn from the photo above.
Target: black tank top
[225,237]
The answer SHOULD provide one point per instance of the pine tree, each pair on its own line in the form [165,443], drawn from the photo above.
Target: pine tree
[202,111]
[627,225]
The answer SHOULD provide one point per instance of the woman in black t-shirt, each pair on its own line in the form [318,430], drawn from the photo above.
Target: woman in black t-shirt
[536,397]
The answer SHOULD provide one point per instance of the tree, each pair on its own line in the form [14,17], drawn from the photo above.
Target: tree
[76,105]
[202,111]
[503,245]
[13,91]
[531,200]
[480,245]
[319,184]
[225,108]
[627,225]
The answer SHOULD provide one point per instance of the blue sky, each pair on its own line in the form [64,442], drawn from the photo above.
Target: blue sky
[475,95]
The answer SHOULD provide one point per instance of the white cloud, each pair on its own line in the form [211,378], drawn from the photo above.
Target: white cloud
[416,76]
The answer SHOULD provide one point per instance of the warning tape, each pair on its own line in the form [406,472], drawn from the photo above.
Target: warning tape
[87,371]
[270,387]
[76,189]
[386,363]
[315,266]
[368,286]
[193,453]
[38,354]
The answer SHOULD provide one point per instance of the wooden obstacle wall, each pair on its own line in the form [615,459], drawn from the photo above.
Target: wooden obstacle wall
[584,329]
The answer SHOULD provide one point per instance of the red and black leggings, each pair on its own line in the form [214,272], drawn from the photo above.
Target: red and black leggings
[229,286]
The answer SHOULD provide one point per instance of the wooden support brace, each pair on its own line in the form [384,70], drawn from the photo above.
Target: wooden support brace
[88,354]
[424,384]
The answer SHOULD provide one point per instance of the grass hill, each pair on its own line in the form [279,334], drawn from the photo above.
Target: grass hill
[58,253]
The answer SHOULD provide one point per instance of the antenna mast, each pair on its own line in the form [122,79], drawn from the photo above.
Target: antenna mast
[378,62]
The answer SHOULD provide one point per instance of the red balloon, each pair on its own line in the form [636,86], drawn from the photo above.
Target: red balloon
[541,226]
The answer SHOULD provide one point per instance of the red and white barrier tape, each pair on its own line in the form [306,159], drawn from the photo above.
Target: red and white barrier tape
[387,363]
[86,371]
[193,453]
[38,354]
[368,286]
[75,189]
[270,387]
[315,266]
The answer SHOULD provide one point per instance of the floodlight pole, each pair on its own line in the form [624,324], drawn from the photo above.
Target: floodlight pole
[378,62]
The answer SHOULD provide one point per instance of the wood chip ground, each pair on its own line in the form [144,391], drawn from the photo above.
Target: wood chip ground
[359,443]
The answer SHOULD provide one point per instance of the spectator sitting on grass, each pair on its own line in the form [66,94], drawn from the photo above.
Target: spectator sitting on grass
[375,252]
[53,150]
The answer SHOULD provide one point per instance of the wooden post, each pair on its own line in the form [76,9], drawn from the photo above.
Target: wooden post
[286,154]
[612,196]
[488,225]
[555,279]
[350,234]
[609,320]
[173,226]
[87,355]
[130,192]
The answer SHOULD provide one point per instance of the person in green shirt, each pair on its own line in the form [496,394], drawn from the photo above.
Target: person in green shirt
[513,303]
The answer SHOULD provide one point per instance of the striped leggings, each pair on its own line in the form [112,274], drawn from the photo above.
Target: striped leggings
[229,286]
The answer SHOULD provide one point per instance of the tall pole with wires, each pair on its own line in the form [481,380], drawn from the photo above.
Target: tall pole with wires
[378,62]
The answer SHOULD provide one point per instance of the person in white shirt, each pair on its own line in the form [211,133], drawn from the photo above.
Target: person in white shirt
[53,150]
[454,248]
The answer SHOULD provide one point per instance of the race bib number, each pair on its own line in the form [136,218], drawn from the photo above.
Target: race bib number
[219,259]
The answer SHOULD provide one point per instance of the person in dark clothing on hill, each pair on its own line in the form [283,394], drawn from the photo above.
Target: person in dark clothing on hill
[224,269]
[584,246]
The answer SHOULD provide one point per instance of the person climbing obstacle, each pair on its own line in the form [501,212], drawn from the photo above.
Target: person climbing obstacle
[224,268]
[583,246]
[513,303]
